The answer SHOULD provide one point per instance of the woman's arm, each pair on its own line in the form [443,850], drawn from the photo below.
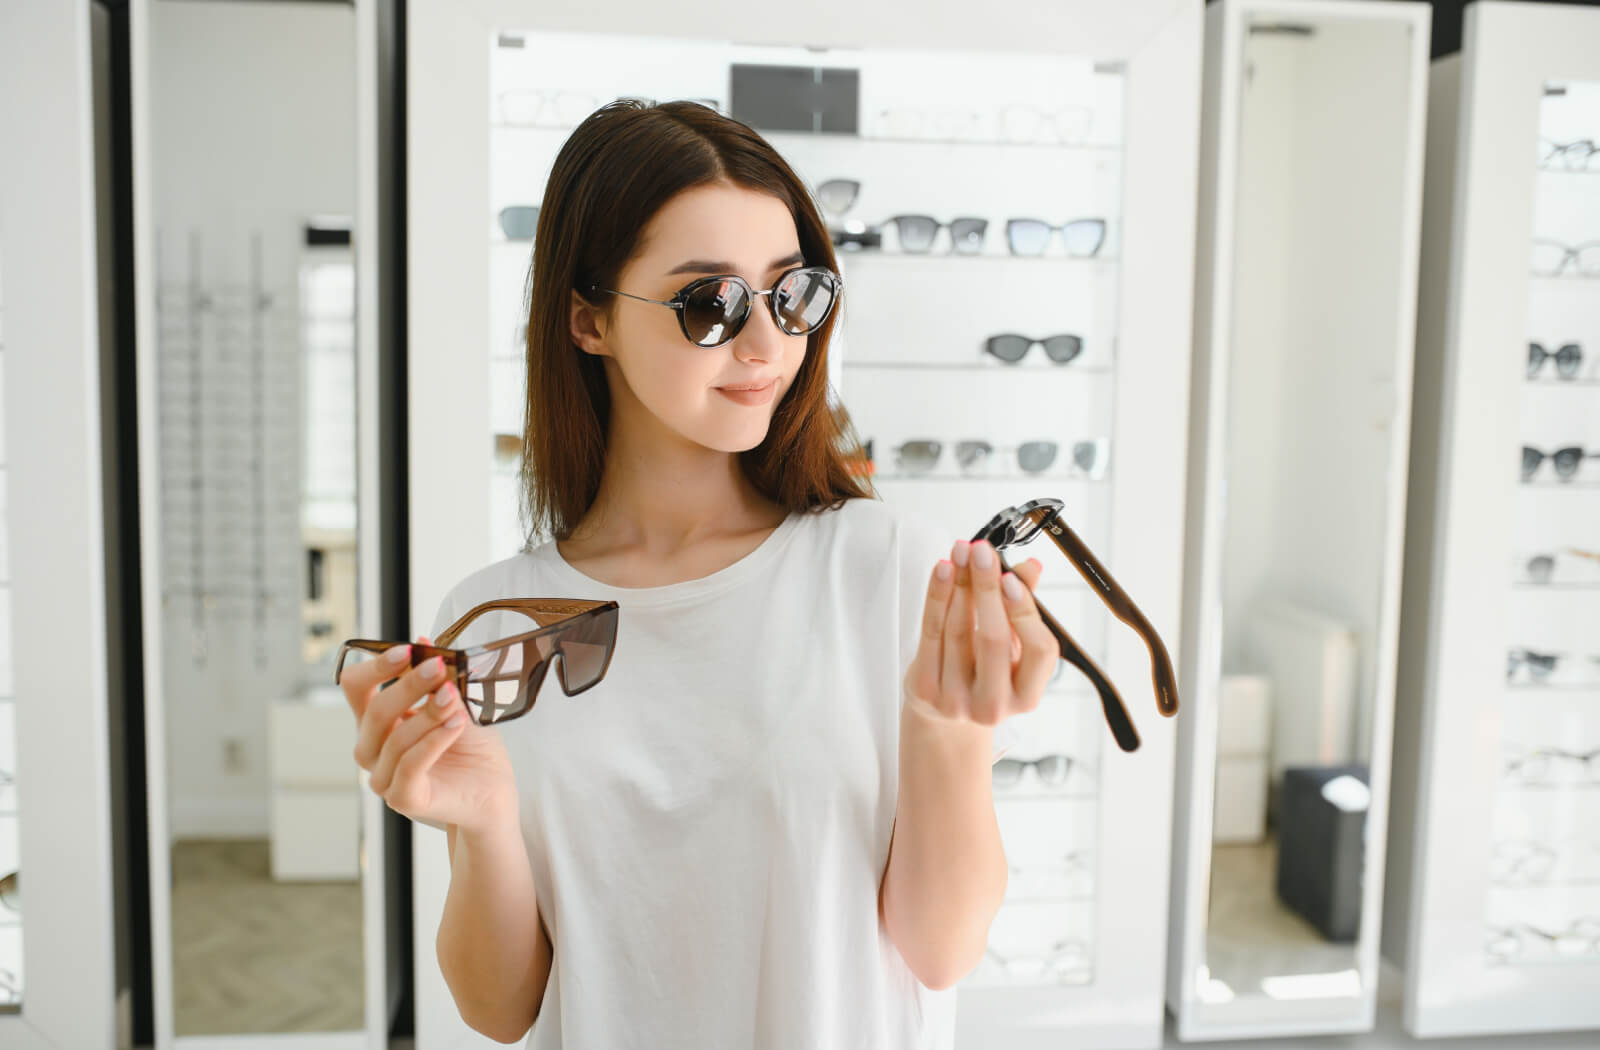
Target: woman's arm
[491,945]
[946,874]
[982,655]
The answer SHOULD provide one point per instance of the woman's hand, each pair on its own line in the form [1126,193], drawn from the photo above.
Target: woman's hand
[431,761]
[985,653]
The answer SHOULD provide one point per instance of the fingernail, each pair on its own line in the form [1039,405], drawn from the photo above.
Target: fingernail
[434,668]
[944,570]
[1012,586]
[982,555]
[397,654]
[444,695]
[455,720]
[960,553]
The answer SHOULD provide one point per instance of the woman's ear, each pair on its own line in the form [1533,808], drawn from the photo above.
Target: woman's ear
[584,323]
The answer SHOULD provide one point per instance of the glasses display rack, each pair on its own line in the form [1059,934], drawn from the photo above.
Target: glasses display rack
[1494,910]
[231,446]
[982,206]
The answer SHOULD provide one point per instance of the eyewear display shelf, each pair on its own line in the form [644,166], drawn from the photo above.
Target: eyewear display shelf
[954,134]
[1495,910]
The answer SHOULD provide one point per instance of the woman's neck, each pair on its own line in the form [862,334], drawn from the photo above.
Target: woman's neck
[670,512]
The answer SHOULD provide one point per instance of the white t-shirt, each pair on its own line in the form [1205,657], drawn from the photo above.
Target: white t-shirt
[708,826]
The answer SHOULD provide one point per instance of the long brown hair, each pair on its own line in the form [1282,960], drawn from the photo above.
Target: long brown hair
[616,170]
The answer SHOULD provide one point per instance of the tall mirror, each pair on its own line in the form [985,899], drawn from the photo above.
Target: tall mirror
[1311,376]
[252,159]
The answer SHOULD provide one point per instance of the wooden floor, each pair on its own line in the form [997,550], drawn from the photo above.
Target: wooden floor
[254,955]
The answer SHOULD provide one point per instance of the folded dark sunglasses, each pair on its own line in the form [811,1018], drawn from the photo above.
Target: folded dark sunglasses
[1016,526]
[499,679]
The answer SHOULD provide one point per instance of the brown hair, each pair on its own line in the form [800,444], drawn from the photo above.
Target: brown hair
[617,169]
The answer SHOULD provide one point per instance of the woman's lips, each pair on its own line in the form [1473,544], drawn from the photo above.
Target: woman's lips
[759,396]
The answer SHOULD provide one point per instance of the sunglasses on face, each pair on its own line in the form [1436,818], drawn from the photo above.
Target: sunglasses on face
[517,639]
[712,310]
[1016,526]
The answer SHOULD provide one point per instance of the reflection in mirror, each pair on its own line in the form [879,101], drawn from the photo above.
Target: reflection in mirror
[1543,904]
[252,118]
[1310,459]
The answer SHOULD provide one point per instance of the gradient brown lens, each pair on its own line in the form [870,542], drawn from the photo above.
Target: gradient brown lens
[713,311]
[585,650]
[803,299]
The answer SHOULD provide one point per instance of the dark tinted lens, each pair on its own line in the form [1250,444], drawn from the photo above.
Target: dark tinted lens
[918,457]
[1027,236]
[916,232]
[1540,566]
[1053,769]
[1531,458]
[1063,348]
[966,235]
[1085,236]
[1036,456]
[1006,772]
[1090,456]
[837,195]
[1568,358]
[714,311]
[972,453]
[803,300]
[1008,348]
[519,221]
[1536,356]
[1567,460]
[586,649]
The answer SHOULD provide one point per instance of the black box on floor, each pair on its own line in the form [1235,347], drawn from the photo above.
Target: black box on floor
[1321,847]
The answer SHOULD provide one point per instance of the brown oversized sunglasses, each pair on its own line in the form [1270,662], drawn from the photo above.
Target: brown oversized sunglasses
[1015,526]
[500,679]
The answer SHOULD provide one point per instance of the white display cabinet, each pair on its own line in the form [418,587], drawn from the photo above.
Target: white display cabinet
[1494,895]
[1311,174]
[1071,112]
[58,980]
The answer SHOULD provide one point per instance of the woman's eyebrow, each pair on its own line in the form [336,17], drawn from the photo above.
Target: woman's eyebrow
[720,266]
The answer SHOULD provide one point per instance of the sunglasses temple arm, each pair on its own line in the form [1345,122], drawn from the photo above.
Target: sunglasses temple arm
[1122,607]
[1116,712]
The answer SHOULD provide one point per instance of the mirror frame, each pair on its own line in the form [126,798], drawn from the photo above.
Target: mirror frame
[366,229]
[1227,23]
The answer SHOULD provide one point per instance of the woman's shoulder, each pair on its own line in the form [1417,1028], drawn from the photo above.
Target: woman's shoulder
[876,526]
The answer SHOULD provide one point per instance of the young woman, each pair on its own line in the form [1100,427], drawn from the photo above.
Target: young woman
[771,824]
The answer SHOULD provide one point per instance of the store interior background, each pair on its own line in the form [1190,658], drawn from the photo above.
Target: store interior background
[1285,475]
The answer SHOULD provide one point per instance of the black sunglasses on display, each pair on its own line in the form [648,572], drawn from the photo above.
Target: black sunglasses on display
[1016,526]
[713,310]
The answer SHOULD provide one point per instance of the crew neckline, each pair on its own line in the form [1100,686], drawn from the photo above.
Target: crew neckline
[729,575]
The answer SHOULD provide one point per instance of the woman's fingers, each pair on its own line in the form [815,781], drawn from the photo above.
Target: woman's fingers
[406,793]
[1039,652]
[407,731]
[955,673]
[922,677]
[991,678]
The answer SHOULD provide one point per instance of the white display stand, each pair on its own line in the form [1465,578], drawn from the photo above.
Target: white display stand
[1467,831]
[458,298]
[1298,435]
